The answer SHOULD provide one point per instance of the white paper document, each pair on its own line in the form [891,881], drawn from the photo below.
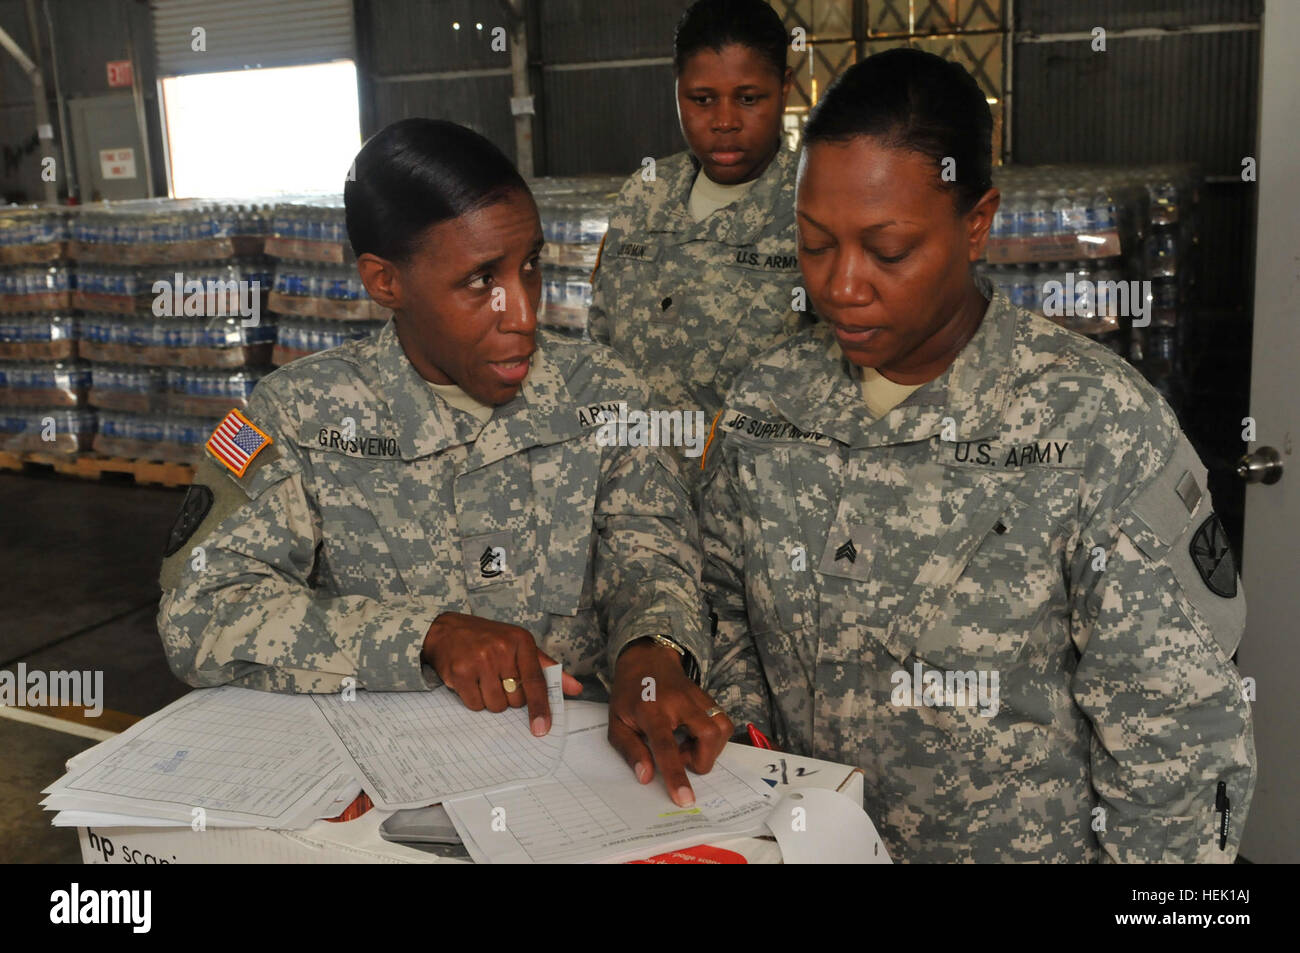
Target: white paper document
[83,818]
[246,758]
[413,749]
[817,826]
[594,809]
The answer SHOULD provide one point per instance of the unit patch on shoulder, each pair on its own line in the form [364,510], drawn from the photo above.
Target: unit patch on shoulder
[198,501]
[236,442]
[1212,557]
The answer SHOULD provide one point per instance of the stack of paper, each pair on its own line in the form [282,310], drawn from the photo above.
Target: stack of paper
[234,757]
[594,809]
[221,757]
[412,749]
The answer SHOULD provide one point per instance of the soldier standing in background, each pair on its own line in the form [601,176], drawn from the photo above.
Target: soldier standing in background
[959,546]
[431,505]
[697,272]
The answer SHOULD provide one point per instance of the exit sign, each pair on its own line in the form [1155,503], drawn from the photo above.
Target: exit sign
[119,73]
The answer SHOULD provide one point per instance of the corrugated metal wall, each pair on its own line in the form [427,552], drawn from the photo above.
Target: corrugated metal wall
[606,118]
[1060,16]
[406,50]
[482,103]
[635,109]
[417,36]
[20,172]
[590,119]
[88,34]
[583,31]
[1183,96]
[1186,97]
[1145,99]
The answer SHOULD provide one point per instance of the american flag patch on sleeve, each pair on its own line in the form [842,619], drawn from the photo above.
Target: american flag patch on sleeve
[236,442]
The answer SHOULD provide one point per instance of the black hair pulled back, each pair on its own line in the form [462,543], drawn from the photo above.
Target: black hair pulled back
[416,173]
[913,100]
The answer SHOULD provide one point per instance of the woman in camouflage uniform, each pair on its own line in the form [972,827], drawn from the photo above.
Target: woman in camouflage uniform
[962,547]
[697,273]
[433,505]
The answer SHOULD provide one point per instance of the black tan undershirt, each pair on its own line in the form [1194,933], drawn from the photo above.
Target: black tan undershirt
[457,398]
[880,393]
[708,196]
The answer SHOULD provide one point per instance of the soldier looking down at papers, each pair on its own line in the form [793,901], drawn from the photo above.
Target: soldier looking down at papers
[959,546]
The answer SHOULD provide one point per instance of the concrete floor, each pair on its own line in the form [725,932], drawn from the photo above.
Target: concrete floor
[79,563]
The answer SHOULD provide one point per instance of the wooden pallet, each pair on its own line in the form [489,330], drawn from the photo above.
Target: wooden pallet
[93,466]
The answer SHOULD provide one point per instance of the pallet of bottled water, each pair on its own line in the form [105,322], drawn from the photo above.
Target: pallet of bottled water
[44,383]
[1056,213]
[171,437]
[34,337]
[54,430]
[168,231]
[310,229]
[33,234]
[298,337]
[177,341]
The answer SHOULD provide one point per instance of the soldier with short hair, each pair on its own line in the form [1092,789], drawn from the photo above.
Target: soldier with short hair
[434,505]
[697,273]
[959,546]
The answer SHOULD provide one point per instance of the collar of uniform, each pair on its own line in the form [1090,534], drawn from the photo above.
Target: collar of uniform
[737,224]
[774,190]
[668,211]
[972,391]
[541,413]
[978,382]
[425,424]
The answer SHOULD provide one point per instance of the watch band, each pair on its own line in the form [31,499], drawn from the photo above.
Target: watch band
[689,663]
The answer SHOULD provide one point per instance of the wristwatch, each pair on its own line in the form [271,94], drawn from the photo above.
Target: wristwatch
[689,664]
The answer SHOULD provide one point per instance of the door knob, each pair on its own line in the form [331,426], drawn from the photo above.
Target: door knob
[1260,466]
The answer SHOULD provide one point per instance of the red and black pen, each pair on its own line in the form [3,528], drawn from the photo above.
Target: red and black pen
[757,738]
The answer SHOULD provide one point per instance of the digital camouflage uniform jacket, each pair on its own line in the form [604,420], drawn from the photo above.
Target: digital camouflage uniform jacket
[690,304]
[1034,514]
[377,507]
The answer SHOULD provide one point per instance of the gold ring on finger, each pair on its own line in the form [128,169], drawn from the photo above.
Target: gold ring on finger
[715,710]
[510,685]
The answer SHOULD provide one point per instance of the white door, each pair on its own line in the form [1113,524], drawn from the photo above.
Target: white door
[1270,651]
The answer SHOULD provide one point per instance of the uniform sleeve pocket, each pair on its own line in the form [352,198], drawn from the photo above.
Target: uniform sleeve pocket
[1172,523]
[1164,839]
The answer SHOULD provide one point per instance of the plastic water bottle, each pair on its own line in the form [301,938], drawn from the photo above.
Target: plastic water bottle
[1101,212]
[1041,218]
[1070,214]
[1018,215]
[1003,223]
